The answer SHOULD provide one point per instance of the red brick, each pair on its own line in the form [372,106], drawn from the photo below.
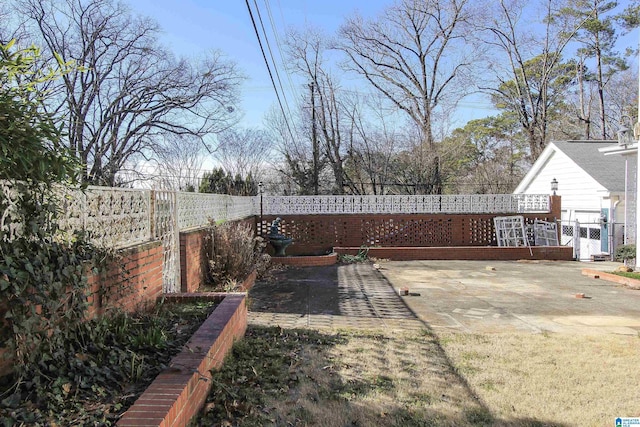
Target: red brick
[230,313]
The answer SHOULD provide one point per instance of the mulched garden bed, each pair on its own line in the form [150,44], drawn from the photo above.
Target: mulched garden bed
[105,365]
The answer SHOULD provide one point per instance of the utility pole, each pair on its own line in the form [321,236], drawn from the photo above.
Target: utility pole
[314,140]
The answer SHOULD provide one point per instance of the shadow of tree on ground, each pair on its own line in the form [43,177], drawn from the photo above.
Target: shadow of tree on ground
[297,377]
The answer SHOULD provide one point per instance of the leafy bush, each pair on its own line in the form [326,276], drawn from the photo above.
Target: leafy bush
[42,283]
[234,253]
[625,252]
[94,377]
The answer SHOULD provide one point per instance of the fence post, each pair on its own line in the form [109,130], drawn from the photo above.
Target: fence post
[555,206]
[176,243]
[576,240]
[152,214]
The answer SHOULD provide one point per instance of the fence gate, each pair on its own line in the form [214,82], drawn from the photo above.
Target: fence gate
[166,228]
[591,238]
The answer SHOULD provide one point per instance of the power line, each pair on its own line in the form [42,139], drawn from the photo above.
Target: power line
[273,61]
[292,87]
[266,61]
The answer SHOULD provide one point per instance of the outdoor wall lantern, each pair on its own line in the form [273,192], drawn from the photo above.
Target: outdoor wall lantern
[625,136]
[554,186]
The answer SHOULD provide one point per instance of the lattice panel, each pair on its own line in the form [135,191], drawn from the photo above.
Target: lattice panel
[510,231]
[196,209]
[407,232]
[474,203]
[8,224]
[73,209]
[112,217]
[166,230]
[546,233]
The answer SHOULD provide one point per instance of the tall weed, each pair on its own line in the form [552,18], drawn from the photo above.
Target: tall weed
[234,253]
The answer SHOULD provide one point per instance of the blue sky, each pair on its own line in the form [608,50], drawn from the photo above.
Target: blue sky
[195,26]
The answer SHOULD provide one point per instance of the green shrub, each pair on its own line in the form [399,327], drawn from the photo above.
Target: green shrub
[625,252]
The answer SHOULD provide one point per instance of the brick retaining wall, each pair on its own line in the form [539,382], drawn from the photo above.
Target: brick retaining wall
[193,259]
[318,234]
[559,253]
[130,282]
[178,393]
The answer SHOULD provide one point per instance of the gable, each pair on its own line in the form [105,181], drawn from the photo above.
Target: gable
[579,168]
[571,178]
[608,171]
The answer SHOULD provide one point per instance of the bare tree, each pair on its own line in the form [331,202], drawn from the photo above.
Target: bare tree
[306,51]
[244,152]
[416,54]
[533,69]
[597,35]
[621,99]
[128,91]
[179,162]
[374,141]
[292,140]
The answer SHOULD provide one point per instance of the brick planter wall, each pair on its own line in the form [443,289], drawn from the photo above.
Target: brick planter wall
[136,286]
[178,393]
[248,282]
[193,260]
[610,277]
[194,257]
[307,261]
[561,253]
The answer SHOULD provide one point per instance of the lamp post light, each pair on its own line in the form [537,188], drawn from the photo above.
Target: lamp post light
[554,186]
[260,191]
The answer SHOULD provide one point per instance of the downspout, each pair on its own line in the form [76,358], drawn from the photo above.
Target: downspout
[612,233]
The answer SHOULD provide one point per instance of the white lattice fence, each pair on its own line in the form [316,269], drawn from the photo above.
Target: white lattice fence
[10,199]
[166,229]
[113,217]
[471,204]
[196,209]
[117,217]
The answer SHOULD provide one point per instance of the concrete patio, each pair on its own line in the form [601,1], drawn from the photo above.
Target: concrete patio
[465,296]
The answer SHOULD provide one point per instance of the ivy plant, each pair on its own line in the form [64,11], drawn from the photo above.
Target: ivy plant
[43,287]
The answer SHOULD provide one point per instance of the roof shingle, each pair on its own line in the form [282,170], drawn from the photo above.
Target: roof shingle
[607,170]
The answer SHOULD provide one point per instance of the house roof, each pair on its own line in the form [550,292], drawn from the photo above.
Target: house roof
[608,171]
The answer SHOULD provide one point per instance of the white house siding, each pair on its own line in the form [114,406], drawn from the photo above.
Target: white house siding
[577,188]
[583,199]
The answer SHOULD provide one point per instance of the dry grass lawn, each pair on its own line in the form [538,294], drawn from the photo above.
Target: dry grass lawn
[570,380]
[378,379]
[354,378]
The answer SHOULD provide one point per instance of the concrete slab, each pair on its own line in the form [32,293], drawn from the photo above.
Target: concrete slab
[502,296]
[337,296]
[466,296]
